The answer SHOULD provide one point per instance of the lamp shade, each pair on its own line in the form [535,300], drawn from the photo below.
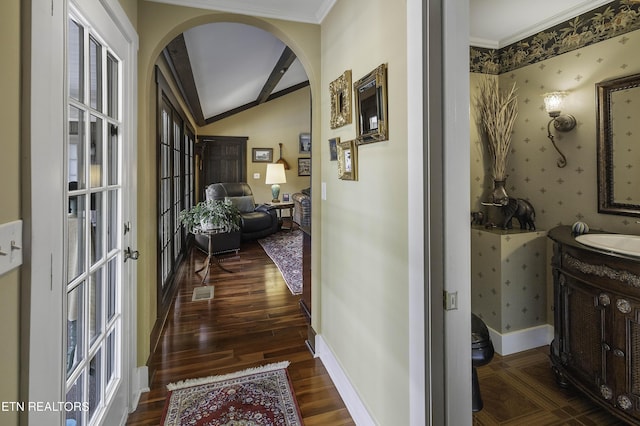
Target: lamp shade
[553,102]
[275,174]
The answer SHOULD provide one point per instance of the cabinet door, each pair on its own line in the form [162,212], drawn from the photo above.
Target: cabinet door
[582,350]
[623,355]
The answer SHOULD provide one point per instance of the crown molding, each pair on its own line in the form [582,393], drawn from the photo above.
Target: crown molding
[255,8]
[552,21]
[324,9]
[549,22]
[484,43]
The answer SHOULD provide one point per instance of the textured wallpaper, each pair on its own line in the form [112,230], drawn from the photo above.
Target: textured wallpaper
[509,290]
[559,195]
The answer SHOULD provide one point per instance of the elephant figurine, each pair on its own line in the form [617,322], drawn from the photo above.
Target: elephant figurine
[477,218]
[522,210]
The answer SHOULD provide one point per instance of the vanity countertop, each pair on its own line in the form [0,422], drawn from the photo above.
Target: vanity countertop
[562,234]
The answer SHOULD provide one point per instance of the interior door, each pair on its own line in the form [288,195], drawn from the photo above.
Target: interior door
[77,298]
[98,244]
[224,159]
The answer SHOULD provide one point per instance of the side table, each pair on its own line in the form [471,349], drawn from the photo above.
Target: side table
[209,233]
[283,206]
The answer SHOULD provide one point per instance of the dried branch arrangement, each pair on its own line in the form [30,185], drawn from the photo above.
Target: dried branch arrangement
[497,111]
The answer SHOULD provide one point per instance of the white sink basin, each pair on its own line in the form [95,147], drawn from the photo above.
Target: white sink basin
[617,243]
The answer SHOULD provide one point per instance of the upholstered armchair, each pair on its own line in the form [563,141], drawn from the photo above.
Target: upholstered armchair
[302,207]
[257,221]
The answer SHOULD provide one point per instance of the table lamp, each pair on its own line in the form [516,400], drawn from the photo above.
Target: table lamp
[275,176]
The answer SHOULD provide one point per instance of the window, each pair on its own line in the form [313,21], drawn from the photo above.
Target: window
[175,187]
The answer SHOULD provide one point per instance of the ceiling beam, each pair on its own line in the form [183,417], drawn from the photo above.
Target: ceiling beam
[178,59]
[255,103]
[283,64]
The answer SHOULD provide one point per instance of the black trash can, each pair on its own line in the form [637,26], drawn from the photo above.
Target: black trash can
[481,354]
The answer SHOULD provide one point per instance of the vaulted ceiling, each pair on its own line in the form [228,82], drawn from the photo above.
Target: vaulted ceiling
[224,68]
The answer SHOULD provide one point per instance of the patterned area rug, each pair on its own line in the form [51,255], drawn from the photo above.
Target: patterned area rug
[285,249]
[255,397]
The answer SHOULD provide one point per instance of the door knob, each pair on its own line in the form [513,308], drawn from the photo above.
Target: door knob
[133,255]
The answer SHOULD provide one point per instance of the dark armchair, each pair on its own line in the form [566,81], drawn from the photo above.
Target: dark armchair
[257,221]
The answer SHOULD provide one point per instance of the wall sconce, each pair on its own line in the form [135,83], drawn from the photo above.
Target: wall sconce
[561,122]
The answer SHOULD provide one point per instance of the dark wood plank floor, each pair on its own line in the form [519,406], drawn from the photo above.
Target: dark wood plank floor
[252,320]
[520,389]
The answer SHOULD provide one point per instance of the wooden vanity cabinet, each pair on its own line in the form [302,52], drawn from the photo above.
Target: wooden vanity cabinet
[596,345]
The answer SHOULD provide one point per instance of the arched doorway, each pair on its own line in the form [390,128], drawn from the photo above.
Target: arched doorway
[149,271]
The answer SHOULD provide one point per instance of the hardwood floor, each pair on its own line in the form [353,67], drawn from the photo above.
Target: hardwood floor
[252,320]
[520,389]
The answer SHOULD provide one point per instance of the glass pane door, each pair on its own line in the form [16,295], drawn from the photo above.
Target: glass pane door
[93,248]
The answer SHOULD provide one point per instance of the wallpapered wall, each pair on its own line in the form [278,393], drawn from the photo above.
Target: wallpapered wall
[559,195]
[509,289]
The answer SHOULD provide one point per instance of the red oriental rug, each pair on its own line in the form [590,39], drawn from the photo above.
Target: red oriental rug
[255,397]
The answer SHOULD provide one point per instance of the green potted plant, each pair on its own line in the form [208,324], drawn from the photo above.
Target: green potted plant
[212,214]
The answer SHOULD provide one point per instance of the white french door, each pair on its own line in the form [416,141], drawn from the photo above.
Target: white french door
[94,249]
[82,297]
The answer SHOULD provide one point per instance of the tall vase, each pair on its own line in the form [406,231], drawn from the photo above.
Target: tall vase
[497,198]
[499,194]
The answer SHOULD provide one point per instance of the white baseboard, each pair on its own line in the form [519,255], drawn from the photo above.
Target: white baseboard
[139,386]
[521,340]
[356,408]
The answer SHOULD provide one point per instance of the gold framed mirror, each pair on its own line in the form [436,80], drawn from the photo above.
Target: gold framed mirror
[370,97]
[340,89]
[618,121]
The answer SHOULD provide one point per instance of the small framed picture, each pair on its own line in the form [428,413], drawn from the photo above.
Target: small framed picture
[285,197]
[304,166]
[348,160]
[333,149]
[305,143]
[262,155]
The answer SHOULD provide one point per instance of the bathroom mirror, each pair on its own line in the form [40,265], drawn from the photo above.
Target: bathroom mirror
[618,121]
[371,106]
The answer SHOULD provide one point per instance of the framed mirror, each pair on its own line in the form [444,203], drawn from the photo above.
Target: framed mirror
[370,97]
[618,121]
[340,89]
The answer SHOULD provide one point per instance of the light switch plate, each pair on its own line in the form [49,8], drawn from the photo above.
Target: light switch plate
[10,246]
[256,175]
[324,190]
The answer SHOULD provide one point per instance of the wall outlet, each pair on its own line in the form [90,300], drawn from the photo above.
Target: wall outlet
[450,300]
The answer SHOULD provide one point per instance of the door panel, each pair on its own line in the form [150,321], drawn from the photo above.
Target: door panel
[95,268]
[76,303]
[224,159]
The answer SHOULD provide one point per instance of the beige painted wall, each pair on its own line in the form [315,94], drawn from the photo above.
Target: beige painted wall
[364,256]
[10,196]
[278,121]
[130,7]
[157,25]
